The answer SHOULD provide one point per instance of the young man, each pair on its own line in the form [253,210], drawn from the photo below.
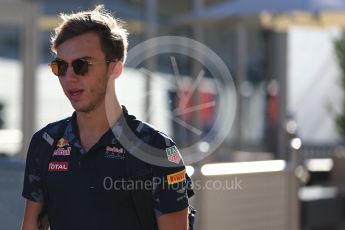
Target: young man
[74,164]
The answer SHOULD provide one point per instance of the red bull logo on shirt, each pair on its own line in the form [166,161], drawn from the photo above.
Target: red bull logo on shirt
[62,152]
[62,143]
[115,150]
[115,153]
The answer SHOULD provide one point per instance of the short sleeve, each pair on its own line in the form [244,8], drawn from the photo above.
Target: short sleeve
[171,183]
[32,188]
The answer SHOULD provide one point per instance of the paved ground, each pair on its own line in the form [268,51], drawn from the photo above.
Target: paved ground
[11,201]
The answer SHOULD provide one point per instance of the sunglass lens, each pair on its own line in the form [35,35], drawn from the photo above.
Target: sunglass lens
[58,67]
[54,67]
[80,66]
[62,67]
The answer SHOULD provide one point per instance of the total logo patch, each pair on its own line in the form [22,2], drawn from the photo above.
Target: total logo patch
[114,153]
[173,154]
[177,177]
[58,166]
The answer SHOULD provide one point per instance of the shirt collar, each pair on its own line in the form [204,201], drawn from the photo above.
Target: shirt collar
[110,137]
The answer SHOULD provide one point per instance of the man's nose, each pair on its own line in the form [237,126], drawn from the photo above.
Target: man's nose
[70,74]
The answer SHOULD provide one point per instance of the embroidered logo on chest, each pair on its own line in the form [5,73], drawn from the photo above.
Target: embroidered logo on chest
[114,153]
[58,166]
[63,148]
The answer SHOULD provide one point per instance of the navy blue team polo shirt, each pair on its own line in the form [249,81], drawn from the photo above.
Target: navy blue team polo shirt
[89,190]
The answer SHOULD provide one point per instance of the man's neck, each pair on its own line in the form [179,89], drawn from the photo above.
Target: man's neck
[97,121]
[93,125]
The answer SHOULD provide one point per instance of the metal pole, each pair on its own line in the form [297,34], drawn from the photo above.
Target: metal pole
[30,58]
[198,34]
[240,78]
[281,73]
[151,32]
[294,211]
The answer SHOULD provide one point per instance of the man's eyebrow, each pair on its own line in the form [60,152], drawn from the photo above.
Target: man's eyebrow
[85,57]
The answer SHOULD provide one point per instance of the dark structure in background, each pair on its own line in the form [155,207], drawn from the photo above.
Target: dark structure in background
[2,122]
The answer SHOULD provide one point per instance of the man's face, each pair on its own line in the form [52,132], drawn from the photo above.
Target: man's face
[86,92]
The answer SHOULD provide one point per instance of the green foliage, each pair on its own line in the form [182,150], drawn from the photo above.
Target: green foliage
[340,51]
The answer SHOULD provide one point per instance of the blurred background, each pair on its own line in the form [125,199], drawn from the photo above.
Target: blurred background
[281,165]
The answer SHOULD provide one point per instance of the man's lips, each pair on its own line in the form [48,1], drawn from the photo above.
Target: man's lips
[75,93]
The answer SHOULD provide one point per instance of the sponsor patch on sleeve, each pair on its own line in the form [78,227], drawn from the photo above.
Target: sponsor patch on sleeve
[173,154]
[176,177]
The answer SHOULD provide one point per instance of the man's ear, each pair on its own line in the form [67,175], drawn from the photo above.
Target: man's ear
[116,69]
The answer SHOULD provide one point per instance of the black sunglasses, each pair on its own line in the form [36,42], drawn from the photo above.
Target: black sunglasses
[80,66]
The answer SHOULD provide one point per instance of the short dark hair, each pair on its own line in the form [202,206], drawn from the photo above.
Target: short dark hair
[112,35]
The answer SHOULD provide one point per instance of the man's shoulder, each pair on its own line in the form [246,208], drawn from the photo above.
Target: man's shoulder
[52,128]
[146,132]
[43,136]
[159,147]
[150,134]
[154,147]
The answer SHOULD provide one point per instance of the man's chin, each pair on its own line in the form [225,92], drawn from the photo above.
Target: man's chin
[81,109]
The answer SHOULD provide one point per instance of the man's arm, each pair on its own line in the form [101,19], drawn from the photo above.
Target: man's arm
[173,221]
[31,212]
